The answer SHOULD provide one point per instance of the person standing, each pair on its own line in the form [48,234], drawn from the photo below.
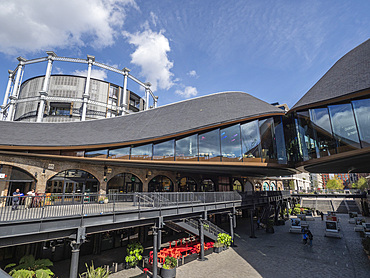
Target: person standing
[305,237]
[16,198]
[310,237]
[322,216]
[29,199]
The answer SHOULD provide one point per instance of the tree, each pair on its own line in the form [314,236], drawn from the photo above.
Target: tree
[360,184]
[335,183]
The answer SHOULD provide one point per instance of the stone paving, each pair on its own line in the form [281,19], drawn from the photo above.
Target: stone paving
[281,254]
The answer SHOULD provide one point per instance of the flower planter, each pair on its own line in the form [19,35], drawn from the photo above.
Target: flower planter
[190,258]
[218,249]
[168,273]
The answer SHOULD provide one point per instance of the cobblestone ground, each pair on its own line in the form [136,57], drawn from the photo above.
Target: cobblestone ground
[283,254]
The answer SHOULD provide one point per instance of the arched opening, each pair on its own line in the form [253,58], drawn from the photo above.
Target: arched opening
[124,183]
[272,186]
[72,182]
[265,186]
[187,184]
[160,184]
[12,177]
[237,186]
[207,185]
[248,187]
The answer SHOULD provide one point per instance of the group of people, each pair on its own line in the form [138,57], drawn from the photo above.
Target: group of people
[307,237]
[29,201]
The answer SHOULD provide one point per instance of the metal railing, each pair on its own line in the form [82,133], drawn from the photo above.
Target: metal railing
[48,206]
[207,226]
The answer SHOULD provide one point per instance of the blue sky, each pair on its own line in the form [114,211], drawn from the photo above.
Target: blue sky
[273,50]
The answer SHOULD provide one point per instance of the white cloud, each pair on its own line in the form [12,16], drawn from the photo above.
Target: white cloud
[151,55]
[95,73]
[187,92]
[41,24]
[193,73]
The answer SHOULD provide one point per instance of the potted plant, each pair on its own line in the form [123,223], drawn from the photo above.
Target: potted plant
[101,200]
[218,247]
[169,267]
[91,272]
[106,200]
[134,251]
[224,239]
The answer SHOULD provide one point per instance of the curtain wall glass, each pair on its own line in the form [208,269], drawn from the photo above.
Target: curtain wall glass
[187,148]
[268,146]
[142,152]
[362,113]
[209,146]
[230,143]
[164,150]
[121,153]
[251,141]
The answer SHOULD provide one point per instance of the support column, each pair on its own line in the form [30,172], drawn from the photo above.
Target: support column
[160,226]
[125,103]
[155,101]
[6,96]
[155,254]
[45,86]
[201,237]
[75,245]
[40,112]
[251,212]
[86,96]
[147,92]
[231,217]
[15,89]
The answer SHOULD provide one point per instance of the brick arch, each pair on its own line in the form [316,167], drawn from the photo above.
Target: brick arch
[19,165]
[128,172]
[160,174]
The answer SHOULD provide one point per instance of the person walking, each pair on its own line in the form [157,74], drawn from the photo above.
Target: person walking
[322,216]
[305,237]
[16,198]
[310,237]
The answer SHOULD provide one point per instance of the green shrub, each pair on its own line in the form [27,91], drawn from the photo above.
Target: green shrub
[134,251]
[91,272]
[169,263]
[225,239]
[28,267]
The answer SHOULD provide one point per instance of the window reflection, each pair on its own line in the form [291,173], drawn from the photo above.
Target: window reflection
[187,148]
[344,127]
[322,131]
[97,154]
[142,152]
[164,150]
[207,186]
[121,153]
[267,140]
[280,141]
[209,146]
[362,114]
[187,184]
[230,143]
[251,141]
[160,184]
[306,140]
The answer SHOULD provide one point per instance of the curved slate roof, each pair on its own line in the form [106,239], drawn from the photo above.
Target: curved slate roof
[348,75]
[168,120]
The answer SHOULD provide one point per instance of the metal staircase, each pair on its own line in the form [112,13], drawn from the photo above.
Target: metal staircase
[192,226]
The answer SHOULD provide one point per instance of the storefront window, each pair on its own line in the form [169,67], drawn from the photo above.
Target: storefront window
[230,143]
[124,183]
[209,146]
[142,152]
[362,114]
[121,153]
[160,184]
[267,140]
[344,127]
[322,131]
[207,186]
[187,148]
[187,184]
[251,141]
[164,151]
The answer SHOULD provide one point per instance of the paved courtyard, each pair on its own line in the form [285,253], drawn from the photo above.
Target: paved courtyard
[282,254]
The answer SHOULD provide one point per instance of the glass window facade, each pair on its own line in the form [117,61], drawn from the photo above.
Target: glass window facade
[97,154]
[164,150]
[361,109]
[187,148]
[230,143]
[268,146]
[322,131]
[306,140]
[280,141]
[251,141]
[143,152]
[209,146]
[121,153]
[344,127]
